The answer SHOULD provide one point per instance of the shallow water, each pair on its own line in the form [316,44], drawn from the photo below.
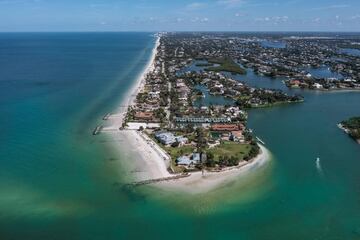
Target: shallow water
[57,181]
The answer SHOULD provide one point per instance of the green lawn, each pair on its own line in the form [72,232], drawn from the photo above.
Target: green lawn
[177,152]
[230,149]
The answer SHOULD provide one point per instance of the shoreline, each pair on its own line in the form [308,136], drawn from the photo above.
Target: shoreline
[141,159]
[347,131]
[145,160]
[130,96]
[337,90]
[197,183]
[145,163]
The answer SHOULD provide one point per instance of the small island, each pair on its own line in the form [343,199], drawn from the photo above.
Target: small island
[226,64]
[352,127]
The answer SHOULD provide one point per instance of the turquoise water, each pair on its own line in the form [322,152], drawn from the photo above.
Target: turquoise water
[57,181]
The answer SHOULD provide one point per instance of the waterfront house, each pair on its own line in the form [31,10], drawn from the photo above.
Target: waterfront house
[317,85]
[165,138]
[183,160]
[186,161]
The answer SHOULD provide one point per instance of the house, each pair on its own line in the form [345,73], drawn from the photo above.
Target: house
[186,161]
[295,83]
[237,136]
[165,138]
[181,140]
[225,127]
[147,116]
[183,160]
[317,85]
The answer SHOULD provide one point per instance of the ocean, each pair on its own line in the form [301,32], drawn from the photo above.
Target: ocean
[58,181]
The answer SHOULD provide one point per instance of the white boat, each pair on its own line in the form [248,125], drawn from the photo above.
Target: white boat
[318,165]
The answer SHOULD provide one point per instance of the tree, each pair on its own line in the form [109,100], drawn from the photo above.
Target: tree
[189,128]
[233,161]
[201,139]
[210,162]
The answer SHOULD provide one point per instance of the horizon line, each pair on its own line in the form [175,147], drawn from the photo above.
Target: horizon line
[184,31]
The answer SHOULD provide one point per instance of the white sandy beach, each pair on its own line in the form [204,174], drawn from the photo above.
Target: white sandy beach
[146,159]
[143,160]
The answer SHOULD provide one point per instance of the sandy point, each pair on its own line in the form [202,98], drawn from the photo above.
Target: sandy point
[200,183]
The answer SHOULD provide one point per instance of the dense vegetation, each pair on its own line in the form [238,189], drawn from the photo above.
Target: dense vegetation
[353,126]
[226,65]
[265,98]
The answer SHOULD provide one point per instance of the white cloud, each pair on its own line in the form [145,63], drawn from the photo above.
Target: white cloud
[355,17]
[201,20]
[195,6]
[238,14]
[231,3]
[275,20]
[204,19]
[316,20]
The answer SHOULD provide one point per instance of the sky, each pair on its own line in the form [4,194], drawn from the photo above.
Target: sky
[179,15]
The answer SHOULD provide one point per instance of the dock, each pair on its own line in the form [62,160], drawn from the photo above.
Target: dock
[106,117]
[97,130]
